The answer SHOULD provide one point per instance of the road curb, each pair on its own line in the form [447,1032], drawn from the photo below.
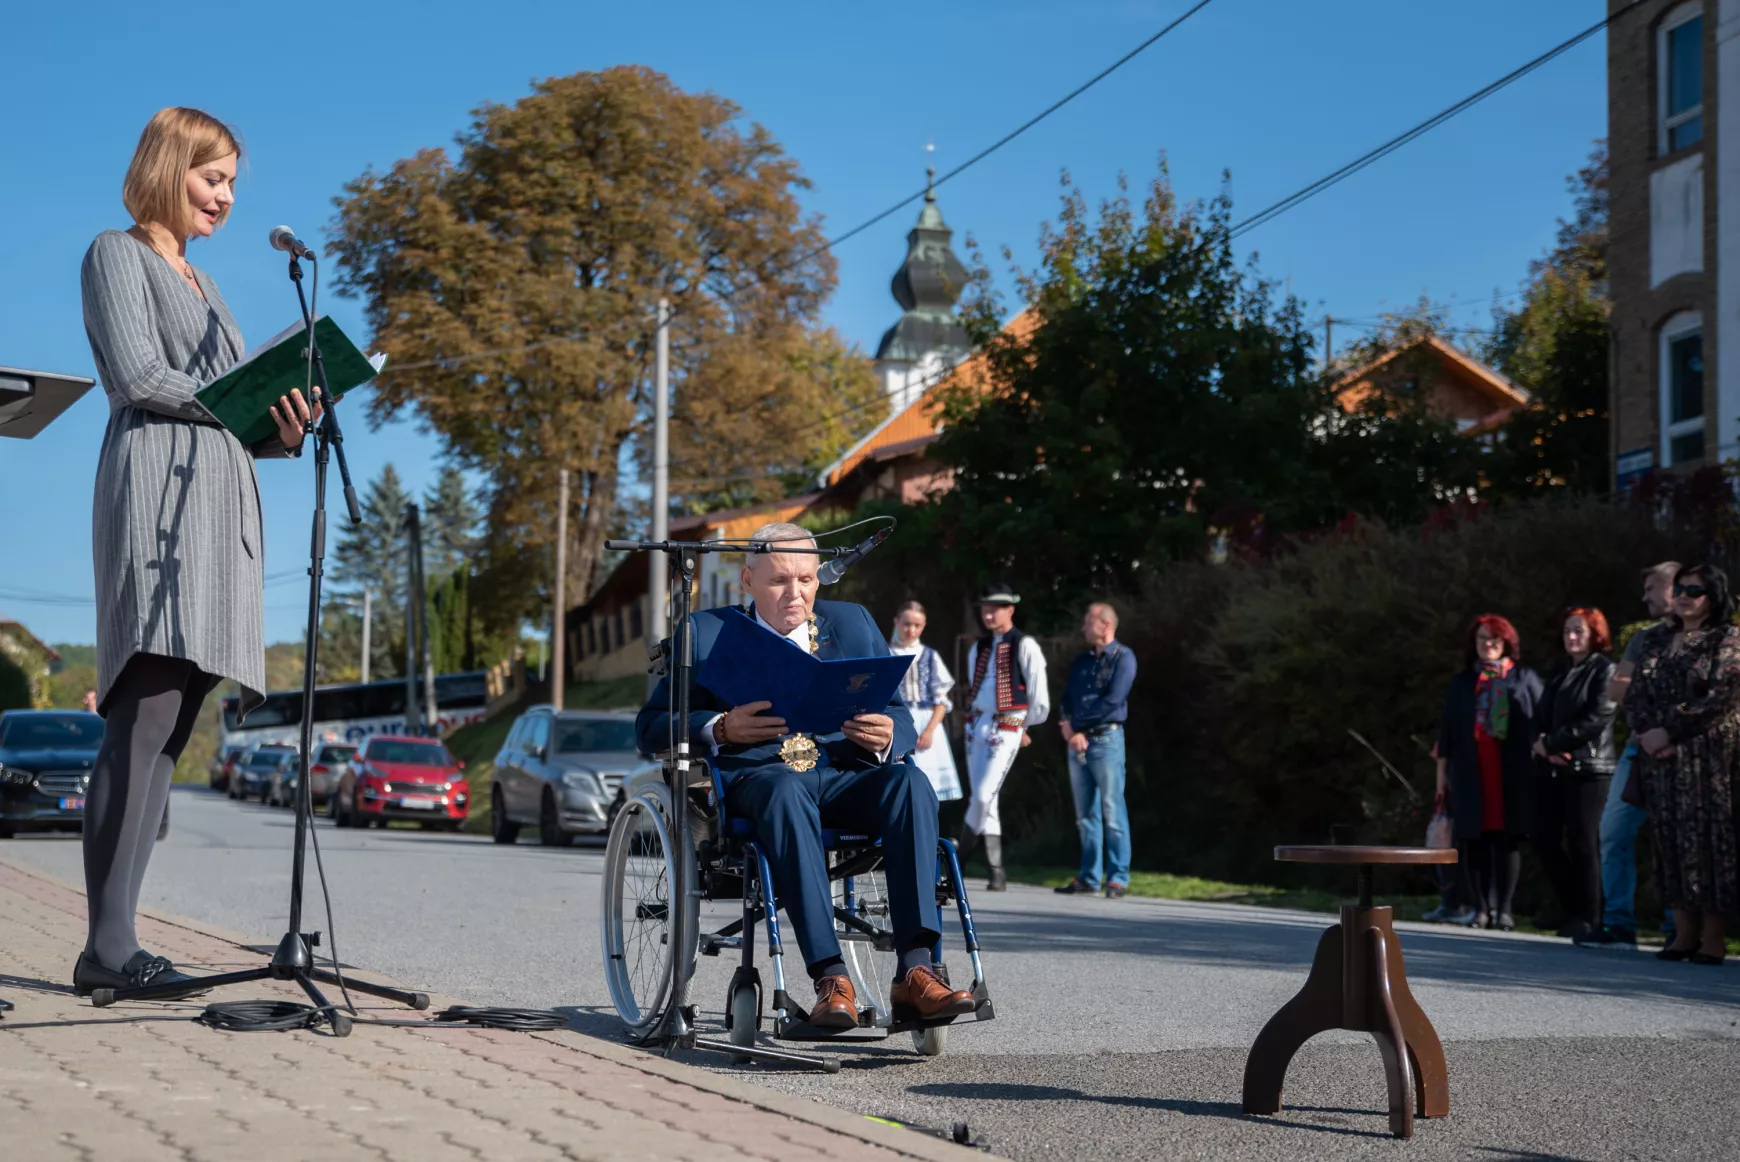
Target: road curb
[800,1109]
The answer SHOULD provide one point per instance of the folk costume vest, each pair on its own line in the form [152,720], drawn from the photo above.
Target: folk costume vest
[1011,680]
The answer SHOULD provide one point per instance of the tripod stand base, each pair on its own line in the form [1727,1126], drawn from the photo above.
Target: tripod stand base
[284,966]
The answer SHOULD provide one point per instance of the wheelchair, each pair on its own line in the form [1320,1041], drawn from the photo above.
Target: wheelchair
[646,975]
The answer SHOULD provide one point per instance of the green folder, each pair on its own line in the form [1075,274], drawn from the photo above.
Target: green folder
[242,396]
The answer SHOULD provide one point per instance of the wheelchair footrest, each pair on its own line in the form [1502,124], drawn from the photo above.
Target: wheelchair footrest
[905,1019]
[797,1030]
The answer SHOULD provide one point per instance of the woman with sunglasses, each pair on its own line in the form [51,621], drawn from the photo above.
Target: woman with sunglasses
[1684,704]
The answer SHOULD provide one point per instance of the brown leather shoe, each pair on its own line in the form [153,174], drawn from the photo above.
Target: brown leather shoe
[836,1004]
[923,990]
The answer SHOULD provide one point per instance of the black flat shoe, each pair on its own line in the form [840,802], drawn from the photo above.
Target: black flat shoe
[1671,953]
[1706,958]
[140,970]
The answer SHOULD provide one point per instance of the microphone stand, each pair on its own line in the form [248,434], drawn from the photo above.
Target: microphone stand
[293,959]
[676,1028]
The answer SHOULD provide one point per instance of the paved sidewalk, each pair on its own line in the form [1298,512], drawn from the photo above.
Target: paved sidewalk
[140,1083]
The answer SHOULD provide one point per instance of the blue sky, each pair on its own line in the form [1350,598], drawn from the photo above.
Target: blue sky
[1275,91]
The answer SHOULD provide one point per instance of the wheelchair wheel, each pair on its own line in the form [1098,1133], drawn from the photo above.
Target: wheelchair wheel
[865,896]
[744,1006]
[931,1042]
[639,877]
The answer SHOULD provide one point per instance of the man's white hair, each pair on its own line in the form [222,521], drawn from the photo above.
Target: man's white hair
[779,535]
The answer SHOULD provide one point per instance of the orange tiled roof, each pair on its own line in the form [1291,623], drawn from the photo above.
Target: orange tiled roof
[921,418]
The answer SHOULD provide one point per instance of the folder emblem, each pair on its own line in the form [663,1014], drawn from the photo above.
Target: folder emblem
[856,684]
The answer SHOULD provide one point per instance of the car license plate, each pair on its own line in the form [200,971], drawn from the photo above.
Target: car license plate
[73,803]
[419,803]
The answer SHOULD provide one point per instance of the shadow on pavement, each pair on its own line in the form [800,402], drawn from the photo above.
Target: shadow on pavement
[1232,1111]
[1288,945]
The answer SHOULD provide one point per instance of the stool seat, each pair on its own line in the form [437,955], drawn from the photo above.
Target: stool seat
[1358,982]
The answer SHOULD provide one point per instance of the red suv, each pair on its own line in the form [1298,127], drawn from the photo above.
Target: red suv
[395,777]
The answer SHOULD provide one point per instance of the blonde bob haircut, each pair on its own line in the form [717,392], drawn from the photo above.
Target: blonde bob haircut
[176,140]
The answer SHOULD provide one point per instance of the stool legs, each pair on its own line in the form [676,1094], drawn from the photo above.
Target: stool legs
[1386,1029]
[1315,1009]
[1357,982]
[1431,1076]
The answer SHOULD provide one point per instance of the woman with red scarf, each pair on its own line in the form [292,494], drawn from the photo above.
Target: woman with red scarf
[1484,763]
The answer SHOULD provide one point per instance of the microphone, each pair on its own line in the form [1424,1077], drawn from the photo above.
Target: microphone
[283,238]
[832,571]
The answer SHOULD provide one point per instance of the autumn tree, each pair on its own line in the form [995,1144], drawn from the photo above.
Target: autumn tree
[514,280]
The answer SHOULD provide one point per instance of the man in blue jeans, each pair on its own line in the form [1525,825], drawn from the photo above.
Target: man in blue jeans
[1095,705]
[1620,821]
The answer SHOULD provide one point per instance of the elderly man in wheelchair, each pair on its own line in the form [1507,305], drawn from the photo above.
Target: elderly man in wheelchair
[788,791]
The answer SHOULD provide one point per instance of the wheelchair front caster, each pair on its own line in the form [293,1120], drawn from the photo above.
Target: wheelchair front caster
[931,1042]
[744,1009]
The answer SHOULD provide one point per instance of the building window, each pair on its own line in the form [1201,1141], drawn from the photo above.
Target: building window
[636,621]
[1680,78]
[1682,389]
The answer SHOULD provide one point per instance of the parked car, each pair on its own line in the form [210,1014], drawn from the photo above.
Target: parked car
[398,777]
[281,784]
[330,759]
[561,772]
[222,763]
[252,776]
[45,769]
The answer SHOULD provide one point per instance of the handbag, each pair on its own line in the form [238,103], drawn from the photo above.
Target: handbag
[1440,834]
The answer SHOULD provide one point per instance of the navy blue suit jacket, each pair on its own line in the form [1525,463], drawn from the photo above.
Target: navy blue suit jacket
[843,630]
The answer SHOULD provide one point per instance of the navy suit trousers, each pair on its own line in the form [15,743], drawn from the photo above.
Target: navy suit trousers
[789,809]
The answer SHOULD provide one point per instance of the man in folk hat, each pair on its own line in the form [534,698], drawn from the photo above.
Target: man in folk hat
[1006,697]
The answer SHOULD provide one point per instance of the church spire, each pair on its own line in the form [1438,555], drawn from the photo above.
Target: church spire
[928,337]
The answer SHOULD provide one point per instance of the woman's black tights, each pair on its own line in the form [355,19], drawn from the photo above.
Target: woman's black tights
[150,714]
[1496,864]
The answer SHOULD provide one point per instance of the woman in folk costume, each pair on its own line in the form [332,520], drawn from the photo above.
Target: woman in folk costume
[927,687]
[1006,697]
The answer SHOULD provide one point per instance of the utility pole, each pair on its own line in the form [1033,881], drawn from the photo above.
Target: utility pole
[656,596]
[410,526]
[365,635]
[559,617]
[431,708]
[1328,340]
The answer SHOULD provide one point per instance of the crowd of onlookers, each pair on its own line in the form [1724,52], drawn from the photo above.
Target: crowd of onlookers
[1522,759]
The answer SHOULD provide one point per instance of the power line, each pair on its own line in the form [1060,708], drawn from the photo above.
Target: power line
[1373,156]
[1017,132]
[878,217]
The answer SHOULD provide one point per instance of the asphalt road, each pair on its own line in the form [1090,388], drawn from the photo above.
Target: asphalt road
[1121,1027]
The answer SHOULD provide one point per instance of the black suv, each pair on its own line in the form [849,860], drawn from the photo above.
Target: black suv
[45,769]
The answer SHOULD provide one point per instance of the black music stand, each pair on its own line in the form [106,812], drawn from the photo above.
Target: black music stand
[31,400]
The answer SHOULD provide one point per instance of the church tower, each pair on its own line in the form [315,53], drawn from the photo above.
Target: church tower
[929,338]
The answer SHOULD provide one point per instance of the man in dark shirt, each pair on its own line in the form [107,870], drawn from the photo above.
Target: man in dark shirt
[1095,705]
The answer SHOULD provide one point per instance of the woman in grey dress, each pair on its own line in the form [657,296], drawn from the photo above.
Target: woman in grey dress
[175,533]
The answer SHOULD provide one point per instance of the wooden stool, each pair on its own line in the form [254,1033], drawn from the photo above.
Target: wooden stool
[1357,982]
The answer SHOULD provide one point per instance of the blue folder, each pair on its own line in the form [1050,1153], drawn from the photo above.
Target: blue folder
[749,663]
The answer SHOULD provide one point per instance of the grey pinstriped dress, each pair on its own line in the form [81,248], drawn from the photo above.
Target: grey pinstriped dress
[175,528]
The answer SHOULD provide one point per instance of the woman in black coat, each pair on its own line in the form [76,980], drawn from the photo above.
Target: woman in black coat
[1574,765]
[1485,768]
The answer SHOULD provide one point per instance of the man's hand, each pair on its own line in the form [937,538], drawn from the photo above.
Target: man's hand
[745,725]
[1026,739]
[1078,743]
[873,732]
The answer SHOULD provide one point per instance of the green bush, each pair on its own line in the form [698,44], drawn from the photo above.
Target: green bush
[1252,675]
[14,685]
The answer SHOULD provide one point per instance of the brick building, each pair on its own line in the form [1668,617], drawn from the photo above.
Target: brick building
[1673,77]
